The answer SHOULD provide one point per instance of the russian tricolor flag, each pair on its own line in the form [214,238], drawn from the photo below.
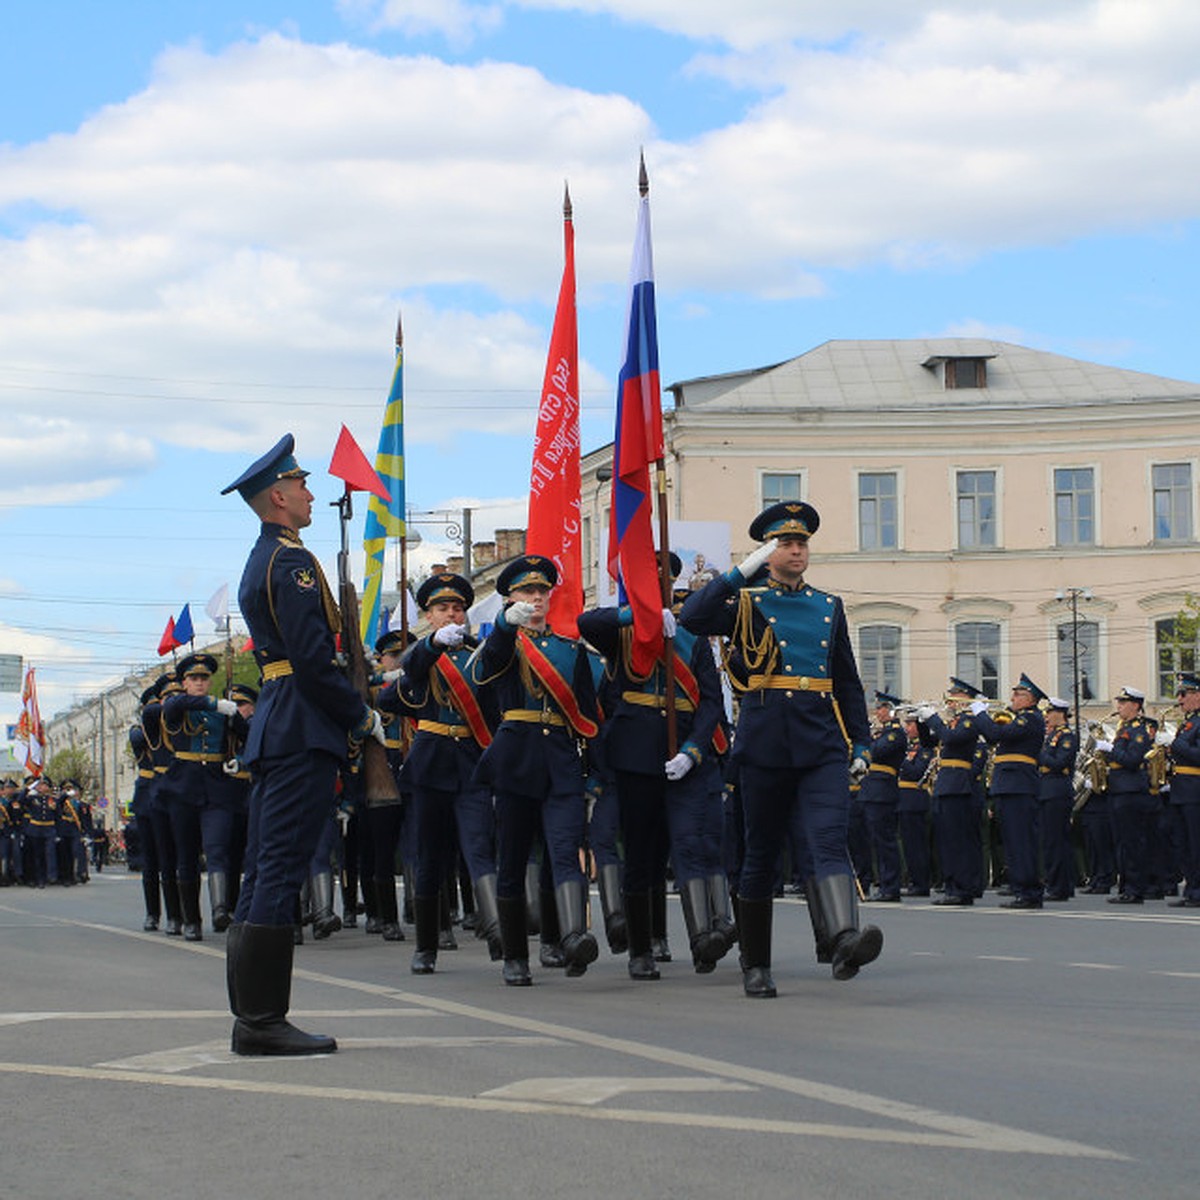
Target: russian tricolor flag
[637,443]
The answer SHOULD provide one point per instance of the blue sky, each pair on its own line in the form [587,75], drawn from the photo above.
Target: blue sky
[211,212]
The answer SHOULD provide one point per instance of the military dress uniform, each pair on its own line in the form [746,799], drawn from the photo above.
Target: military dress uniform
[802,716]
[880,798]
[913,816]
[158,799]
[68,829]
[307,720]
[41,817]
[1018,738]
[1185,796]
[144,761]
[542,686]
[1131,804]
[1056,798]
[8,835]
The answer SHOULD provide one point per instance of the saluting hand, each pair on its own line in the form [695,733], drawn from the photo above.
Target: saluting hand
[750,565]
[226,708]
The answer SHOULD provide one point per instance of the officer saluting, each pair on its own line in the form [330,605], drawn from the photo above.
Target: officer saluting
[307,721]
[802,719]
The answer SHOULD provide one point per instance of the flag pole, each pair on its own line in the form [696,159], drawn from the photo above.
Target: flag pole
[664,546]
[403,536]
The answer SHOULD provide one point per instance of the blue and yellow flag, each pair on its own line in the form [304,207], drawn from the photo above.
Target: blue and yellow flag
[385,520]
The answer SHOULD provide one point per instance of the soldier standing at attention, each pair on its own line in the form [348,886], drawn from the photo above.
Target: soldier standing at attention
[307,721]
[1129,795]
[1056,797]
[802,727]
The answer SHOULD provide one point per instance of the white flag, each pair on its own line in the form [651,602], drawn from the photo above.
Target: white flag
[218,605]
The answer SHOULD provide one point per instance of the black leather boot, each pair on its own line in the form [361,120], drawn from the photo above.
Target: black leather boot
[550,951]
[389,920]
[754,928]
[708,947]
[852,947]
[325,920]
[349,900]
[233,944]
[533,907]
[514,940]
[218,898]
[722,915]
[446,938]
[659,946]
[609,880]
[425,913]
[578,943]
[189,900]
[816,914]
[372,924]
[151,898]
[637,923]
[262,988]
[170,893]
[487,923]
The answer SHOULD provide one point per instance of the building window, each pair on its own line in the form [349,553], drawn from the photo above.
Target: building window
[879,658]
[877,511]
[976,509]
[977,655]
[965,373]
[1074,506]
[1172,484]
[778,488]
[1085,634]
[1177,643]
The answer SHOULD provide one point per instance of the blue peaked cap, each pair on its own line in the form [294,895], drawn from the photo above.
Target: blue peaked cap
[278,463]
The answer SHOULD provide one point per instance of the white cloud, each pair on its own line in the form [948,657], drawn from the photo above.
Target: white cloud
[459,21]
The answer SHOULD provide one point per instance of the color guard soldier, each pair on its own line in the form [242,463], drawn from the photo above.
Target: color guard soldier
[542,685]
[880,794]
[1017,733]
[802,727]
[1129,795]
[307,722]
[41,814]
[1056,798]
[1185,787]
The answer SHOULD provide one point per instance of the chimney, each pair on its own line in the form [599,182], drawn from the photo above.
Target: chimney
[455,564]
[483,554]
[509,543]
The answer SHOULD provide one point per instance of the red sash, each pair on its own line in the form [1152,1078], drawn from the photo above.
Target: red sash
[556,685]
[465,700]
[691,689]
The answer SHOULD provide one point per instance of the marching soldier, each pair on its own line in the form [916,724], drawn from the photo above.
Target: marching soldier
[139,807]
[880,794]
[41,814]
[1017,733]
[307,721]
[542,685]
[1056,797]
[1185,788]
[802,727]
[1129,795]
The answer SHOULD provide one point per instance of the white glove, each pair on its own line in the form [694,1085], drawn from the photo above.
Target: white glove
[377,731]
[677,767]
[226,708]
[749,565]
[977,707]
[1105,746]
[925,712]
[449,636]
[231,766]
[858,768]
[520,612]
[1163,738]
[668,623]
[391,676]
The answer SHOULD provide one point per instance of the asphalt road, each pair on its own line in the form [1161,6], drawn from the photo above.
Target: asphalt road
[987,1053]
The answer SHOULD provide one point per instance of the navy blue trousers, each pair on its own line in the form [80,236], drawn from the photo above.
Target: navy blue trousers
[561,818]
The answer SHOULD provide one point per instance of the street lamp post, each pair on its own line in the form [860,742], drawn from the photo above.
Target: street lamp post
[1074,593]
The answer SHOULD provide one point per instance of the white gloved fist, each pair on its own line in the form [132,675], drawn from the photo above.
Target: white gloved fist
[669,625]
[977,707]
[226,708]
[677,767]
[520,612]
[1104,746]
[391,676]
[1163,738]
[449,636]
[231,766]
[750,565]
[858,769]
[925,712]
[377,731]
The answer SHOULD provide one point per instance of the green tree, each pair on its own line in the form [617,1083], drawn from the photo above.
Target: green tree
[74,763]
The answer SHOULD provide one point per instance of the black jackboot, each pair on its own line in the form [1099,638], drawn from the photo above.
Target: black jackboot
[816,914]
[349,900]
[487,915]
[218,898]
[371,907]
[389,920]
[722,918]
[754,930]
[262,987]
[514,939]
[550,951]
[578,943]
[325,920]
[609,879]
[425,914]
[533,908]
[189,900]
[170,893]
[707,946]
[637,923]
[659,946]
[151,898]
[852,947]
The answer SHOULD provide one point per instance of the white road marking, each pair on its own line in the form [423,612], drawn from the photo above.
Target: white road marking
[1002,958]
[202,1014]
[596,1089]
[1088,966]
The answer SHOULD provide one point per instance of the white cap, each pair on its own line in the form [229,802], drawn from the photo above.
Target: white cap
[1131,693]
[1059,703]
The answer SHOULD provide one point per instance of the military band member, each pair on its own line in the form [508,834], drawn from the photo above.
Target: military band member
[1185,788]
[880,794]
[1017,733]
[1056,798]
[1129,795]
[307,721]
[914,806]
[542,685]
[68,828]
[802,725]
[8,834]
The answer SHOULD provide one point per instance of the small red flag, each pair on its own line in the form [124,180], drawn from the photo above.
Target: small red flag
[350,465]
[168,641]
[247,646]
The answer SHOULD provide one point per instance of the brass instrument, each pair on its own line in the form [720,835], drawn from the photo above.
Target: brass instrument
[1091,765]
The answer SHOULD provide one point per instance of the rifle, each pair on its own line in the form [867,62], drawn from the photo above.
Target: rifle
[379,782]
